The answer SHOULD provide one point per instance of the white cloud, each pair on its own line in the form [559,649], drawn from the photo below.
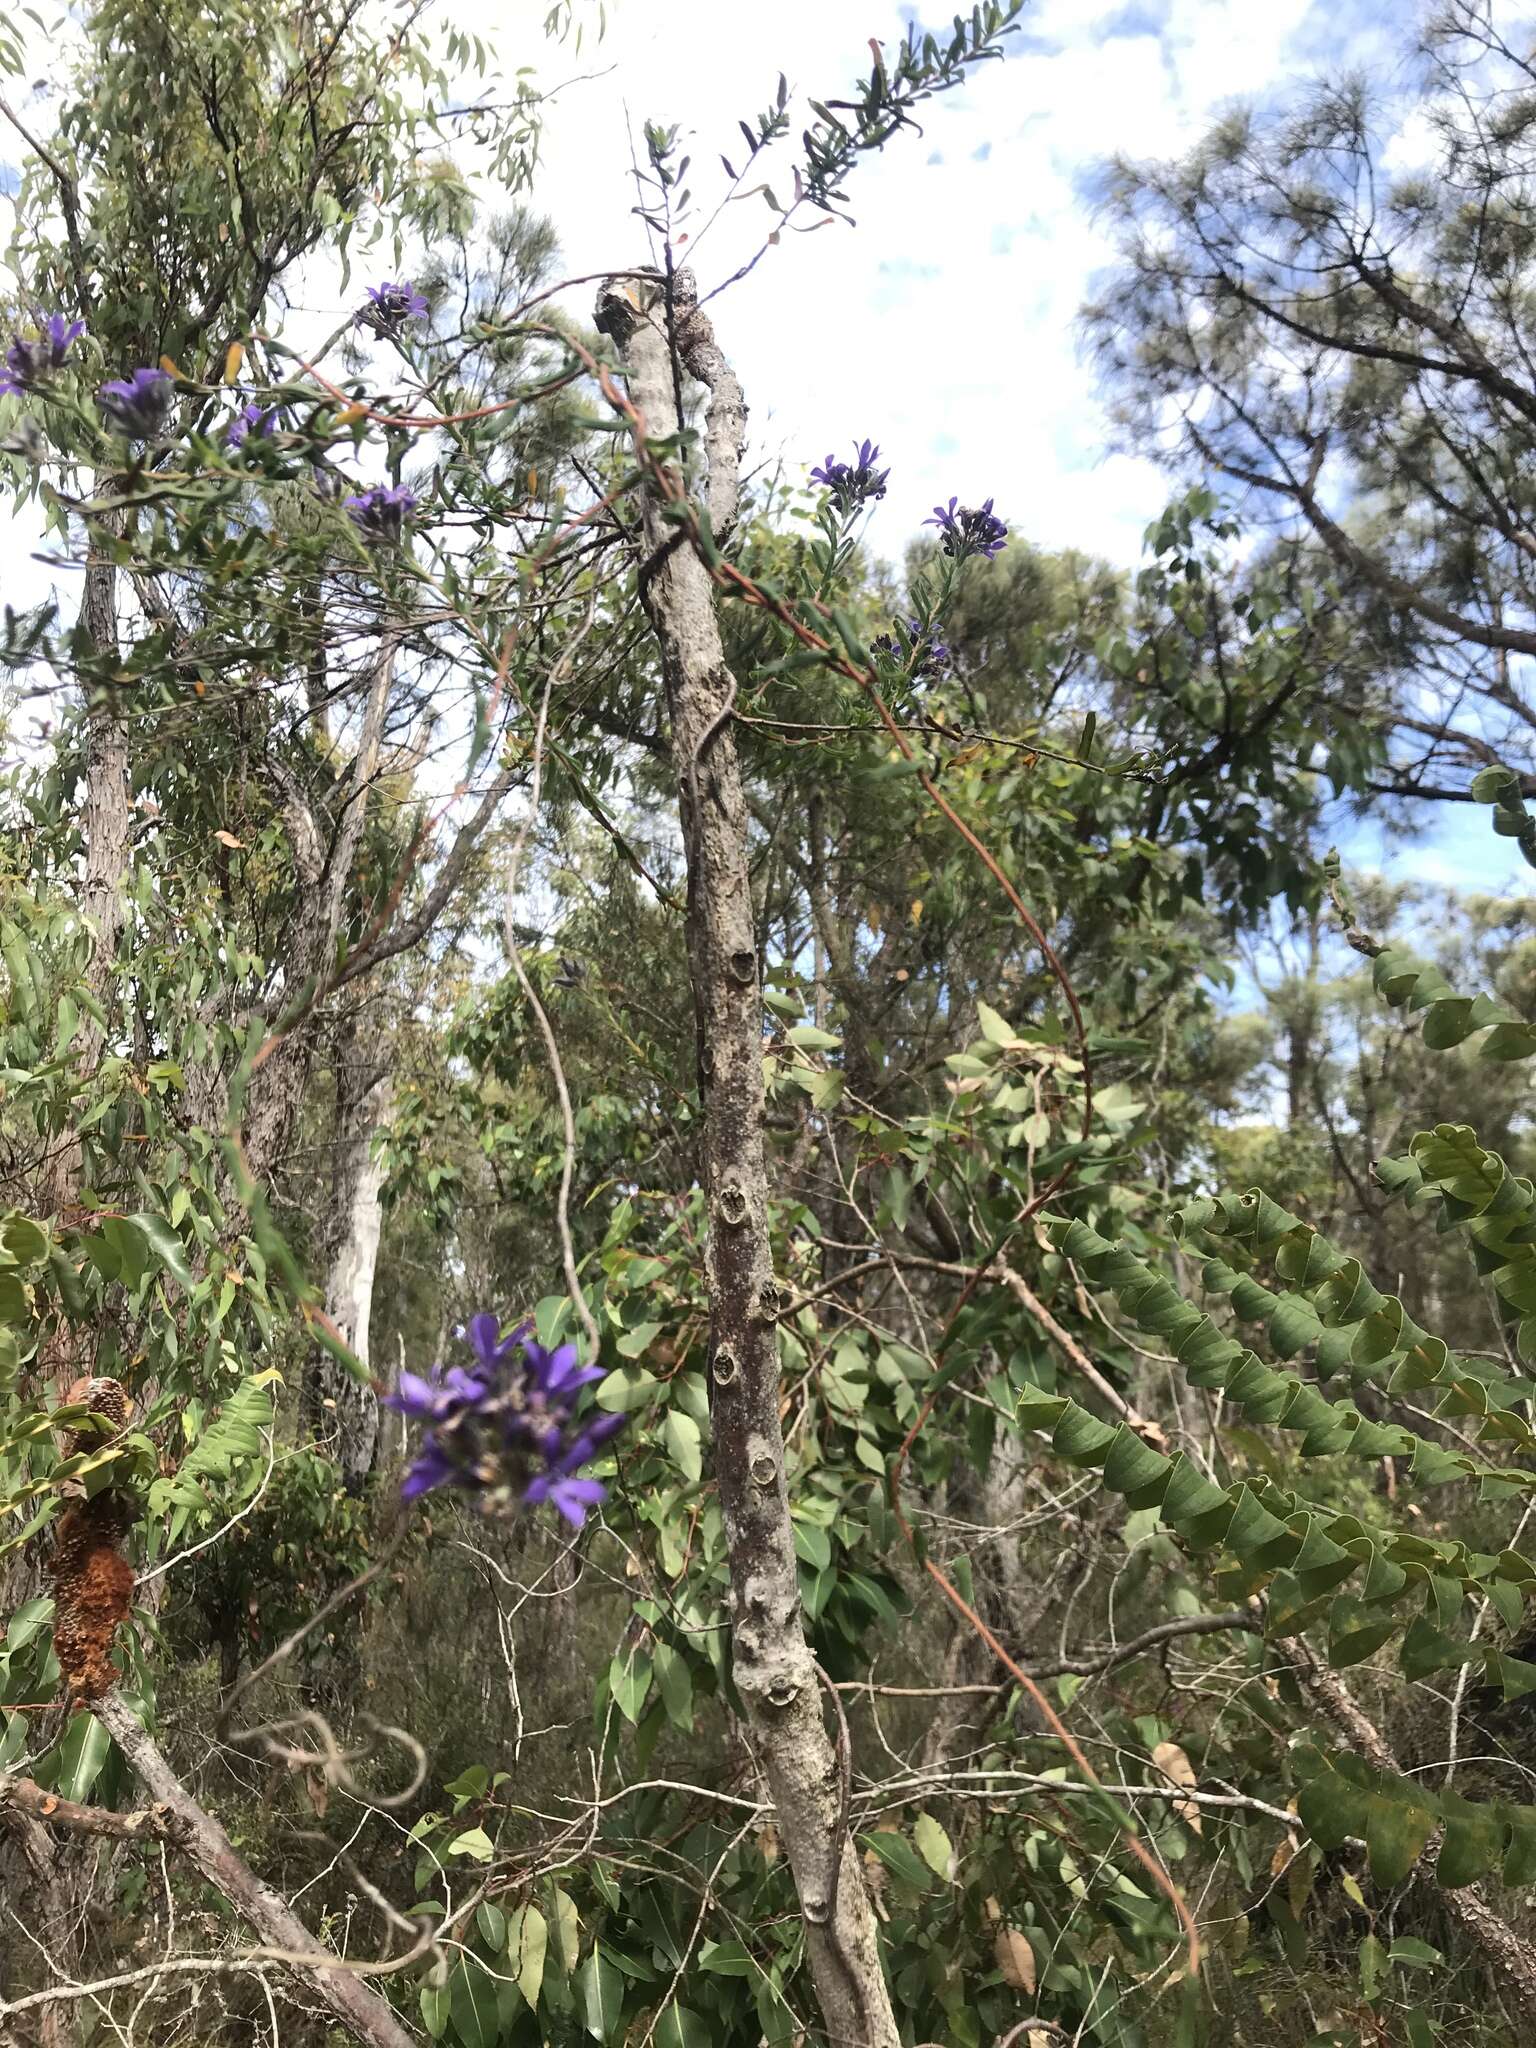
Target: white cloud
[943,325]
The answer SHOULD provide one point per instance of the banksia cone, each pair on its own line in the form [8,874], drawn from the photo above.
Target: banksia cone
[92,1584]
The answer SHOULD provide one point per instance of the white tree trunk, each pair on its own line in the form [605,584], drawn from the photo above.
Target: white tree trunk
[347,1411]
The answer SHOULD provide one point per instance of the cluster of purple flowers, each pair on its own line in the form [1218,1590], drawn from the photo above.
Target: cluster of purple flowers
[138,403]
[380,514]
[391,304]
[505,1426]
[917,647]
[855,483]
[31,359]
[966,530]
[969,532]
[252,418]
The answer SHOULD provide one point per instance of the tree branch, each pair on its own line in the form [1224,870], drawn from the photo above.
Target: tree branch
[359,2008]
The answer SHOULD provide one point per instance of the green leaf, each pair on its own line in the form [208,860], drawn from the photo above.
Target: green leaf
[1417,1955]
[492,1923]
[683,1444]
[626,1388]
[933,1845]
[82,1753]
[994,1028]
[896,1854]
[1373,1967]
[527,1942]
[13,1737]
[1472,1844]
[632,1343]
[472,2003]
[1395,1833]
[166,1246]
[629,1680]
[674,1681]
[23,1241]
[435,2009]
[811,1038]
[567,1930]
[129,1248]
[600,1995]
[726,1959]
[474,1843]
[680,2027]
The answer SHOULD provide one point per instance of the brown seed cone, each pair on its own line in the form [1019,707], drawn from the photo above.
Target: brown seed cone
[92,1584]
[92,1588]
[104,1397]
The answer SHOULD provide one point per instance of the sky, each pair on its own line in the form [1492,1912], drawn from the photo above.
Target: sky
[943,323]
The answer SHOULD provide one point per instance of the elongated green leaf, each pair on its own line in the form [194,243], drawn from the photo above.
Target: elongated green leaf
[472,2004]
[600,1996]
[527,1942]
[82,1753]
[896,1853]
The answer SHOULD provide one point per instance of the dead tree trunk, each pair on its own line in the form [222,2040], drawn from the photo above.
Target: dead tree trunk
[348,1410]
[774,1670]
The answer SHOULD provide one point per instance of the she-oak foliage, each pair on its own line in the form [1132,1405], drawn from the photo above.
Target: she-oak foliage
[277,1123]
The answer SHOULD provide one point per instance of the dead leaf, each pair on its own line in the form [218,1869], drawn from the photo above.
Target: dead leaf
[234,356]
[1015,1959]
[228,839]
[1175,1765]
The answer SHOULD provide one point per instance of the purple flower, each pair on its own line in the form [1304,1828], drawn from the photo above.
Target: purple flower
[391,304]
[137,404]
[855,483]
[380,514]
[504,1426]
[967,532]
[561,1486]
[31,359]
[917,648]
[252,418]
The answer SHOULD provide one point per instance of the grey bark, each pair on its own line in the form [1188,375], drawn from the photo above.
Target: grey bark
[774,1671]
[364,2014]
